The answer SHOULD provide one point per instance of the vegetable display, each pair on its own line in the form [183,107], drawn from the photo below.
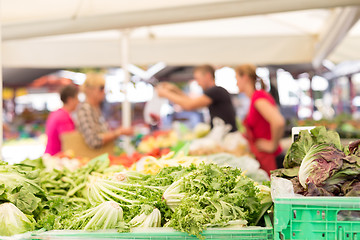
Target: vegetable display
[96,197]
[318,165]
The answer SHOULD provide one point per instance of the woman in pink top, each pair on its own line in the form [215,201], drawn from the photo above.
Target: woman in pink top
[60,121]
[264,123]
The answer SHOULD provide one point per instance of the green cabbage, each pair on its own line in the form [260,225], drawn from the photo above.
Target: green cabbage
[173,195]
[107,215]
[149,217]
[13,221]
[120,189]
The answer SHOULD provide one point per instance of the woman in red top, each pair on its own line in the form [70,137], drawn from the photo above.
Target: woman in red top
[264,123]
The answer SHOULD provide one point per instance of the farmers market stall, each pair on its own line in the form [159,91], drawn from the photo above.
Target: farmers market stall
[176,195]
[195,185]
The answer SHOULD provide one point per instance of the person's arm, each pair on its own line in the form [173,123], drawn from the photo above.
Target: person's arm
[112,135]
[183,100]
[277,124]
[108,137]
[172,87]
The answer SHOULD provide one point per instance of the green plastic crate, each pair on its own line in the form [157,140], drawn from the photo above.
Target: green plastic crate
[249,233]
[322,218]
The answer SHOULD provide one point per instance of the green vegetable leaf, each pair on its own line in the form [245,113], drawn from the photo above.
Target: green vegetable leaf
[285,172]
[25,200]
[298,150]
[321,135]
[15,187]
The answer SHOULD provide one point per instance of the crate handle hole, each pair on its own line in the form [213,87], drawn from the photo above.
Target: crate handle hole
[348,215]
[294,214]
[281,236]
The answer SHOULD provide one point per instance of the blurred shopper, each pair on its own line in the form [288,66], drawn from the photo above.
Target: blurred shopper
[60,121]
[90,122]
[264,123]
[216,98]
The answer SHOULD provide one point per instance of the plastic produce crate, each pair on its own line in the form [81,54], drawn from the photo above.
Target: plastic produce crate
[258,233]
[321,218]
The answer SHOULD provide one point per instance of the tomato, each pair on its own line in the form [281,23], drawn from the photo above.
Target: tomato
[136,156]
[122,159]
[164,151]
[155,152]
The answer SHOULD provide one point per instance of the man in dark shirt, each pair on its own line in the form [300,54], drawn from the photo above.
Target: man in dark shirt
[216,98]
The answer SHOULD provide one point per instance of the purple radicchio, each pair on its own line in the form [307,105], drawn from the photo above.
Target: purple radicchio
[320,163]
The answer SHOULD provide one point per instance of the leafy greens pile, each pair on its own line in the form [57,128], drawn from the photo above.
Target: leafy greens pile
[212,196]
[318,165]
[97,196]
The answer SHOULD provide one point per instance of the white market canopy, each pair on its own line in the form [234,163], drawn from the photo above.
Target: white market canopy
[88,33]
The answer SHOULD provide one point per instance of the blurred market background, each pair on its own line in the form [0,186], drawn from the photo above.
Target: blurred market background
[308,53]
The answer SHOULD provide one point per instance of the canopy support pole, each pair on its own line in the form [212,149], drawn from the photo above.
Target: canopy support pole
[1,92]
[352,91]
[126,106]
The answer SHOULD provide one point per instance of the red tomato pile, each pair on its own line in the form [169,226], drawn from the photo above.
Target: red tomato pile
[128,160]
